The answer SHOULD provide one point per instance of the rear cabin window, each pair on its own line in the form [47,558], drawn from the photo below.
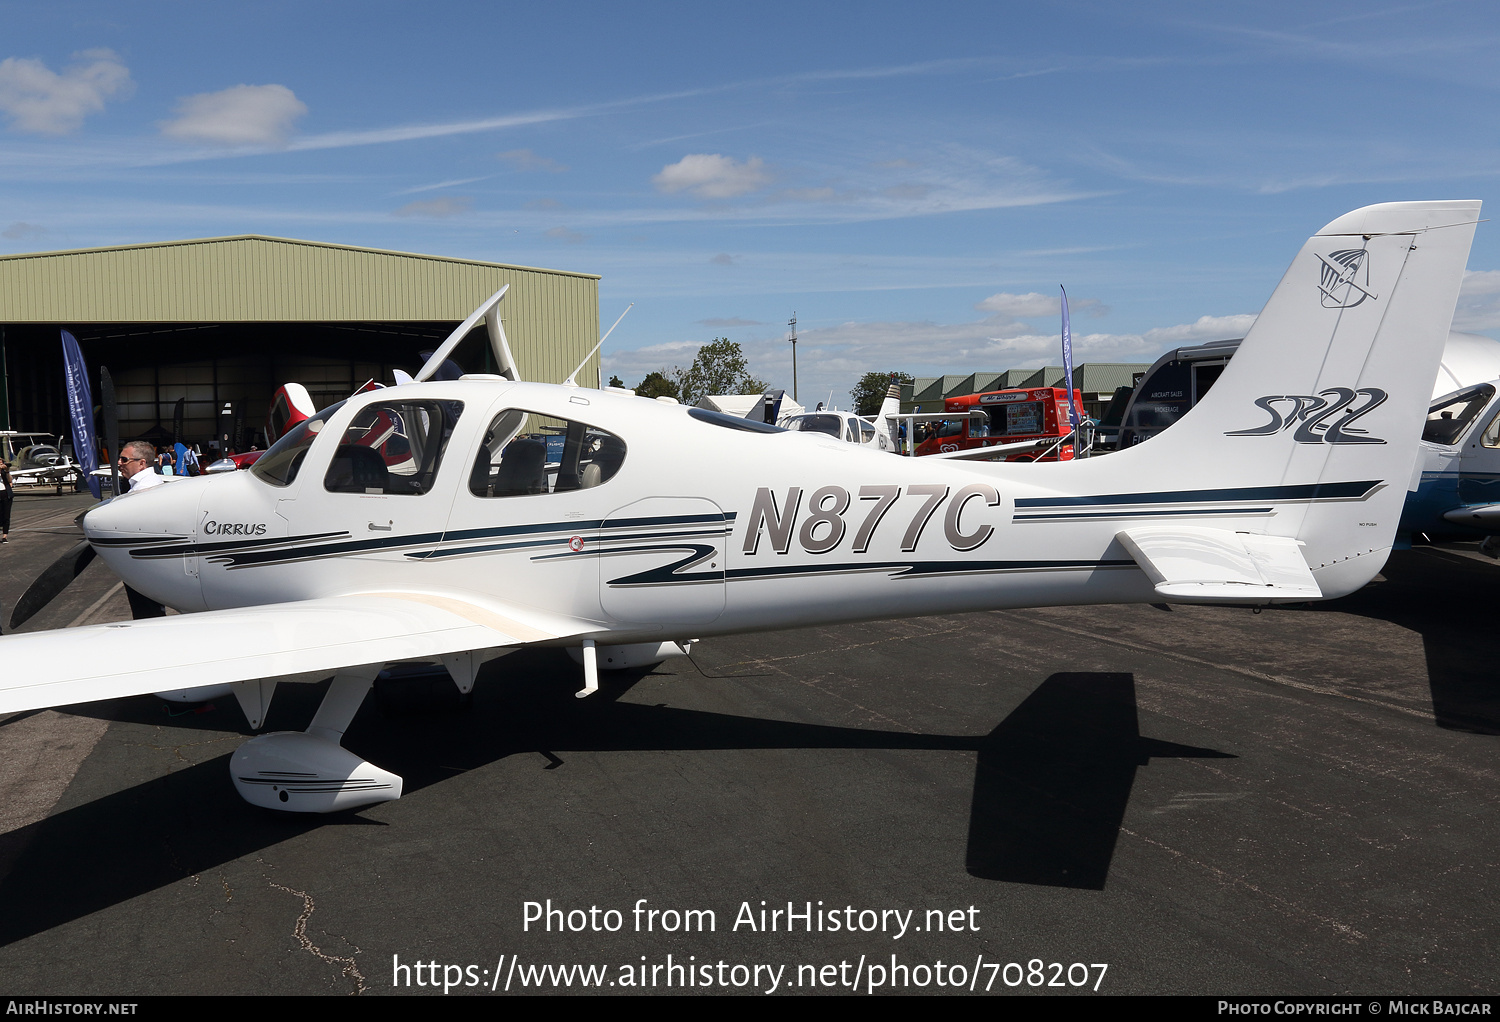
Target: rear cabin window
[525,453]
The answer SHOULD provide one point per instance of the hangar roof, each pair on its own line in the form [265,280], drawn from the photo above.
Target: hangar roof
[254,278]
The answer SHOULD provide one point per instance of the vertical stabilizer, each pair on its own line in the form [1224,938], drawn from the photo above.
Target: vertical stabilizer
[886,418]
[1311,432]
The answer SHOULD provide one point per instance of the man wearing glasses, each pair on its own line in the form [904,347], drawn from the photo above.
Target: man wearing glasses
[138,465]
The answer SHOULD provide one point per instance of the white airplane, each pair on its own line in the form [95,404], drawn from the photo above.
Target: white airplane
[664,524]
[877,432]
[1457,494]
[36,461]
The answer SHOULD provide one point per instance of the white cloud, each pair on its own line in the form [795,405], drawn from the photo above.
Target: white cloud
[1478,301]
[442,206]
[242,115]
[526,160]
[20,229]
[40,100]
[908,190]
[822,193]
[1031,305]
[712,176]
[1480,282]
[563,234]
[634,365]
[719,324]
[1204,328]
[723,259]
[454,183]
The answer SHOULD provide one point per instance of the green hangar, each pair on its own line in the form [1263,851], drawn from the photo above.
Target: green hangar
[216,320]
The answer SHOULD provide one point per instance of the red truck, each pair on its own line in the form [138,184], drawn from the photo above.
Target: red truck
[1012,416]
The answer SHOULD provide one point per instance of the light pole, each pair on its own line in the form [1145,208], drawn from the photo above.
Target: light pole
[793,325]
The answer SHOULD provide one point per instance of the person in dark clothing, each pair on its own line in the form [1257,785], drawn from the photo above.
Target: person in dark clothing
[7,497]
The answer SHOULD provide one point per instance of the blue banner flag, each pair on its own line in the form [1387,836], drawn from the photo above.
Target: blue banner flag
[81,410]
[1067,339]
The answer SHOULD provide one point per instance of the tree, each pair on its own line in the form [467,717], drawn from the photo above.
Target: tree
[656,385]
[869,392]
[719,367]
[615,381]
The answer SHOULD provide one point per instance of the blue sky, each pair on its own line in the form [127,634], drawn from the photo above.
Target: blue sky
[912,181]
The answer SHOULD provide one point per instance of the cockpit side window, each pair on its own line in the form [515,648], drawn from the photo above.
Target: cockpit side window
[392,448]
[279,465]
[1491,437]
[1450,416]
[524,453]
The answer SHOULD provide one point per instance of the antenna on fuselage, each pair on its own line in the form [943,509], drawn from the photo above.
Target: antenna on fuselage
[489,312]
[572,380]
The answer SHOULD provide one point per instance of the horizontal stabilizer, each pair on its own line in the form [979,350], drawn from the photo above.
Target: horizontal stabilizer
[1189,565]
[75,665]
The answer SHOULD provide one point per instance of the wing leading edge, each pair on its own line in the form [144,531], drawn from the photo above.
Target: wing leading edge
[75,665]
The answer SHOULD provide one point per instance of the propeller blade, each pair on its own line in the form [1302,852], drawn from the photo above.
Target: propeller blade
[142,605]
[51,582]
[446,348]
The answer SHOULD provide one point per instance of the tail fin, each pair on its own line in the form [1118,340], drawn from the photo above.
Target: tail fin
[1312,431]
[768,408]
[890,408]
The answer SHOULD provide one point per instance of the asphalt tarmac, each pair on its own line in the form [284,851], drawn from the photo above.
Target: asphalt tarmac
[1203,800]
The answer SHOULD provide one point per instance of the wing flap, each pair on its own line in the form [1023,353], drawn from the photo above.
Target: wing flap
[1191,565]
[75,665]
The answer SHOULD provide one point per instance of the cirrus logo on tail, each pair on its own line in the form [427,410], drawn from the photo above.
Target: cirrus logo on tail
[1313,415]
[1339,285]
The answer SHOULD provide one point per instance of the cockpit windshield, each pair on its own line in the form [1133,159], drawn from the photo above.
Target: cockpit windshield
[833,425]
[1450,416]
[279,465]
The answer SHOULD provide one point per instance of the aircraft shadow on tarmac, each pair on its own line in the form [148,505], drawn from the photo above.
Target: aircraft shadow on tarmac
[1050,790]
[1448,599]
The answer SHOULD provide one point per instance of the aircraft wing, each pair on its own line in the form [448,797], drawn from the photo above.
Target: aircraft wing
[1190,565]
[47,472]
[74,665]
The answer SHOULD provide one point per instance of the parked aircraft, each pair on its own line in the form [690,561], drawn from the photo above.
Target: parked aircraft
[665,524]
[35,460]
[877,432]
[1457,480]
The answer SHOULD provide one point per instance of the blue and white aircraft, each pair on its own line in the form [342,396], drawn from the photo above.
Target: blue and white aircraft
[1456,491]
[422,521]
